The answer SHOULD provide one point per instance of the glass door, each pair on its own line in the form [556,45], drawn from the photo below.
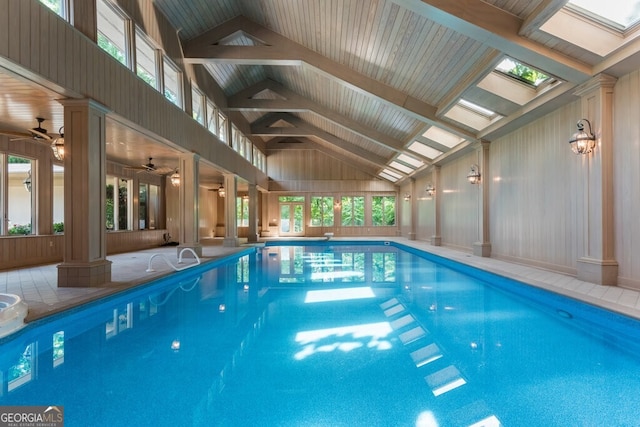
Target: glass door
[291,219]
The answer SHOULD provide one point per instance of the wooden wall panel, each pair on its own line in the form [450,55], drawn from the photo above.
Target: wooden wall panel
[535,193]
[626,166]
[460,202]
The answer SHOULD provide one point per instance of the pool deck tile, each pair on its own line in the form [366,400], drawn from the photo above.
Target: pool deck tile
[38,285]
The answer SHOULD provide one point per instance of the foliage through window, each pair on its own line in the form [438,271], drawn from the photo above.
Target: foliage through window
[383,211]
[322,211]
[352,211]
[242,211]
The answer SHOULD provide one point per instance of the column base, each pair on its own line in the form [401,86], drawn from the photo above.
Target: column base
[436,241]
[482,249]
[84,275]
[598,271]
[197,248]
[411,236]
[231,242]
[253,238]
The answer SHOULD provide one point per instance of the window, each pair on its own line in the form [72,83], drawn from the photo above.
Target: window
[212,116]
[58,199]
[111,31]
[383,210]
[197,104]
[20,188]
[321,211]
[146,66]
[148,206]
[352,211]
[242,211]
[222,127]
[172,82]
[118,207]
[58,6]
[235,138]
[521,72]
[622,13]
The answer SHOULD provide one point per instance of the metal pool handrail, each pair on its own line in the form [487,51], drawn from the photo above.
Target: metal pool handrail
[150,270]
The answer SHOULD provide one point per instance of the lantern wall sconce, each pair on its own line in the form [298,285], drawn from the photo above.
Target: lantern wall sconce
[582,142]
[221,191]
[431,190]
[407,197]
[474,175]
[57,146]
[175,178]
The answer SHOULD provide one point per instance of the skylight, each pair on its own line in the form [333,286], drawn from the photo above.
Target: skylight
[477,108]
[625,13]
[402,168]
[521,72]
[410,160]
[425,150]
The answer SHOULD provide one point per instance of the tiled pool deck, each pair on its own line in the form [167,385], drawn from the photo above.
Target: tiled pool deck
[38,285]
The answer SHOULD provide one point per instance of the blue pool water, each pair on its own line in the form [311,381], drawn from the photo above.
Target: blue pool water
[330,335]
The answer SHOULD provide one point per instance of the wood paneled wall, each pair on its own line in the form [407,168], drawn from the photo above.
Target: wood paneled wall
[626,166]
[37,43]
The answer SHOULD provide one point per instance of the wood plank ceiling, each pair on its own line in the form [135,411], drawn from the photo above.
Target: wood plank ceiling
[371,77]
[377,83]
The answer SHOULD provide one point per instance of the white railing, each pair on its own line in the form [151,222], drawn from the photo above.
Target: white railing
[150,270]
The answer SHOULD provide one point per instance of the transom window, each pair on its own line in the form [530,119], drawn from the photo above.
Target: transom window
[111,31]
[146,66]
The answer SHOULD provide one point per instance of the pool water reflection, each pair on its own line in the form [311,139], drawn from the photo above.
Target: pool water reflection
[333,334]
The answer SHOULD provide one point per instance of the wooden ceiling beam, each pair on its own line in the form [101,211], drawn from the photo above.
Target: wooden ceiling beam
[279,50]
[500,30]
[300,128]
[293,102]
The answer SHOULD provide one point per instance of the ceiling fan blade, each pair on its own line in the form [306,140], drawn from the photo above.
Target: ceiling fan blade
[39,135]
[18,135]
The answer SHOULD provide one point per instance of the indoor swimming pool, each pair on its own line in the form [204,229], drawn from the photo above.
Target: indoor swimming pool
[329,334]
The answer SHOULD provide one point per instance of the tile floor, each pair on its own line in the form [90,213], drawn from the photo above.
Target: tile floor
[38,285]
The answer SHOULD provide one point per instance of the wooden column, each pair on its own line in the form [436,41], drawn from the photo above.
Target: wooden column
[253,213]
[413,209]
[483,246]
[436,239]
[597,263]
[230,219]
[84,259]
[188,201]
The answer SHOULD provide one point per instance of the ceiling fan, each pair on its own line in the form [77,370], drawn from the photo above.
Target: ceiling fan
[37,133]
[151,168]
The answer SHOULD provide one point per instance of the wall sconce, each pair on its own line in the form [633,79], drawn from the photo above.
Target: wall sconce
[27,182]
[407,197]
[221,191]
[175,178]
[582,142]
[474,175]
[431,190]
[57,146]
[337,205]
[245,197]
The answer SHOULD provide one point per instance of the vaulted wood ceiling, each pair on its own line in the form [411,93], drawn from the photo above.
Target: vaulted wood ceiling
[368,78]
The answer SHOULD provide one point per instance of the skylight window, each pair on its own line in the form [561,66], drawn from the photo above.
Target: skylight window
[477,109]
[402,168]
[521,72]
[624,13]
[410,160]
[425,150]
